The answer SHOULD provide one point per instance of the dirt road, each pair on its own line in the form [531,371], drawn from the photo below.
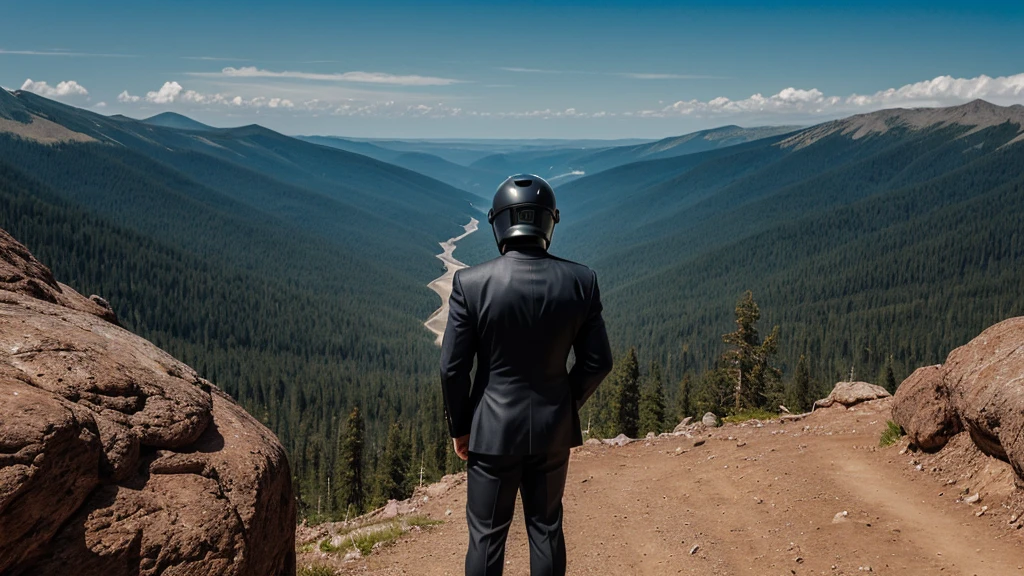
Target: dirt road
[752,501]
[443,285]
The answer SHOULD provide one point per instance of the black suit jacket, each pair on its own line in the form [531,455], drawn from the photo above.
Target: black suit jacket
[519,315]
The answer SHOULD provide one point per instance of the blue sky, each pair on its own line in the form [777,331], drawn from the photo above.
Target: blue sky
[546,70]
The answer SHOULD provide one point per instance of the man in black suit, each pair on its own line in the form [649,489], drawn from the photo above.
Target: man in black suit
[518,316]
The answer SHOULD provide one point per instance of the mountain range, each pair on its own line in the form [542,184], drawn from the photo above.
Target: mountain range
[885,237]
[293,271]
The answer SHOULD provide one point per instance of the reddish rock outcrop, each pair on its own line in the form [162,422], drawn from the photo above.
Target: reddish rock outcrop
[117,459]
[982,383]
[922,407]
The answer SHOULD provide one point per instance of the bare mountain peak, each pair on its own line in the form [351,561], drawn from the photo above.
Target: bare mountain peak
[978,114]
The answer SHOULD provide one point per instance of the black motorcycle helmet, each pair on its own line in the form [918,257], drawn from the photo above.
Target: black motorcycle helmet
[523,211]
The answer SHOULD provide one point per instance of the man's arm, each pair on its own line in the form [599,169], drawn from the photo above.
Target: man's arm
[593,353]
[457,351]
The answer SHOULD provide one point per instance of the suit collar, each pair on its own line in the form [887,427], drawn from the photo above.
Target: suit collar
[527,254]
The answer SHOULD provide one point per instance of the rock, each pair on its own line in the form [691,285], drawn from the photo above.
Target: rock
[923,409]
[793,417]
[651,435]
[852,393]
[352,556]
[973,499]
[984,383]
[390,509]
[117,459]
[709,420]
[592,442]
[620,440]
[985,378]
[840,517]
[683,425]
[694,549]
[698,442]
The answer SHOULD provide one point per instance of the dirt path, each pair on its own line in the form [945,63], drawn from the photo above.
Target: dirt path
[443,285]
[754,501]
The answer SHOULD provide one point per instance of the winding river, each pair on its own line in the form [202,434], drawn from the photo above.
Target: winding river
[443,285]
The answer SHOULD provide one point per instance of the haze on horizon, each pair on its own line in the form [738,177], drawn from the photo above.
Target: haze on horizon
[564,70]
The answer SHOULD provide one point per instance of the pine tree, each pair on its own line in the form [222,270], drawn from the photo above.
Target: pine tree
[684,401]
[652,402]
[755,380]
[802,393]
[628,380]
[715,392]
[351,491]
[890,378]
[393,468]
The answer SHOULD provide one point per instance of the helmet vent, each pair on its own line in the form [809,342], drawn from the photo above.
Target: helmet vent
[523,183]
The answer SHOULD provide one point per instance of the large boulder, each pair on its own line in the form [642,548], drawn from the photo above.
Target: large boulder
[980,388]
[923,409]
[985,378]
[117,459]
[852,393]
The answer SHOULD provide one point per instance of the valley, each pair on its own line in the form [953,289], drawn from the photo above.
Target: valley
[876,243]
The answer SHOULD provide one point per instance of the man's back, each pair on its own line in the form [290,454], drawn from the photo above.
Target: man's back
[526,310]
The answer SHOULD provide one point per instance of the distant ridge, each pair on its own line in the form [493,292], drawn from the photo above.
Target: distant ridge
[178,121]
[978,114]
[11,108]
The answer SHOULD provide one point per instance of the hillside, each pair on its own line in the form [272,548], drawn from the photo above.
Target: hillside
[479,182]
[892,235]
[291,274]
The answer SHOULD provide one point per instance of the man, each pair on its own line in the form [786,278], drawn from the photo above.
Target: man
[519,315]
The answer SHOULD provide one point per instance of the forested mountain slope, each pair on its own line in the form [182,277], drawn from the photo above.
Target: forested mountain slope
[888,235]
[294,275]
[474,180]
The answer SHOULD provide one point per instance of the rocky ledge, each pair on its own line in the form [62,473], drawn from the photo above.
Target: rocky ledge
[116,458]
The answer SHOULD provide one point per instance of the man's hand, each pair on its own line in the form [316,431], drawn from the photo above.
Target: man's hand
[462,446]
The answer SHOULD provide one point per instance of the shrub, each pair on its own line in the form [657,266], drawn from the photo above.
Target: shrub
[891,434]
[751,414]
[315,570]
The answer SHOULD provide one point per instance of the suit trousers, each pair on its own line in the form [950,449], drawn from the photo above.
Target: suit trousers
[492,485]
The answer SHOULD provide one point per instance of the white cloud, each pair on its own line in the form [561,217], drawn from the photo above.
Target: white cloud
[61,90]
[360,77]
[658,76]
[126,98]
[792,104]
[173,93]
[940,91]
[631,75]
[166,94]
[64,53]
[536,70]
